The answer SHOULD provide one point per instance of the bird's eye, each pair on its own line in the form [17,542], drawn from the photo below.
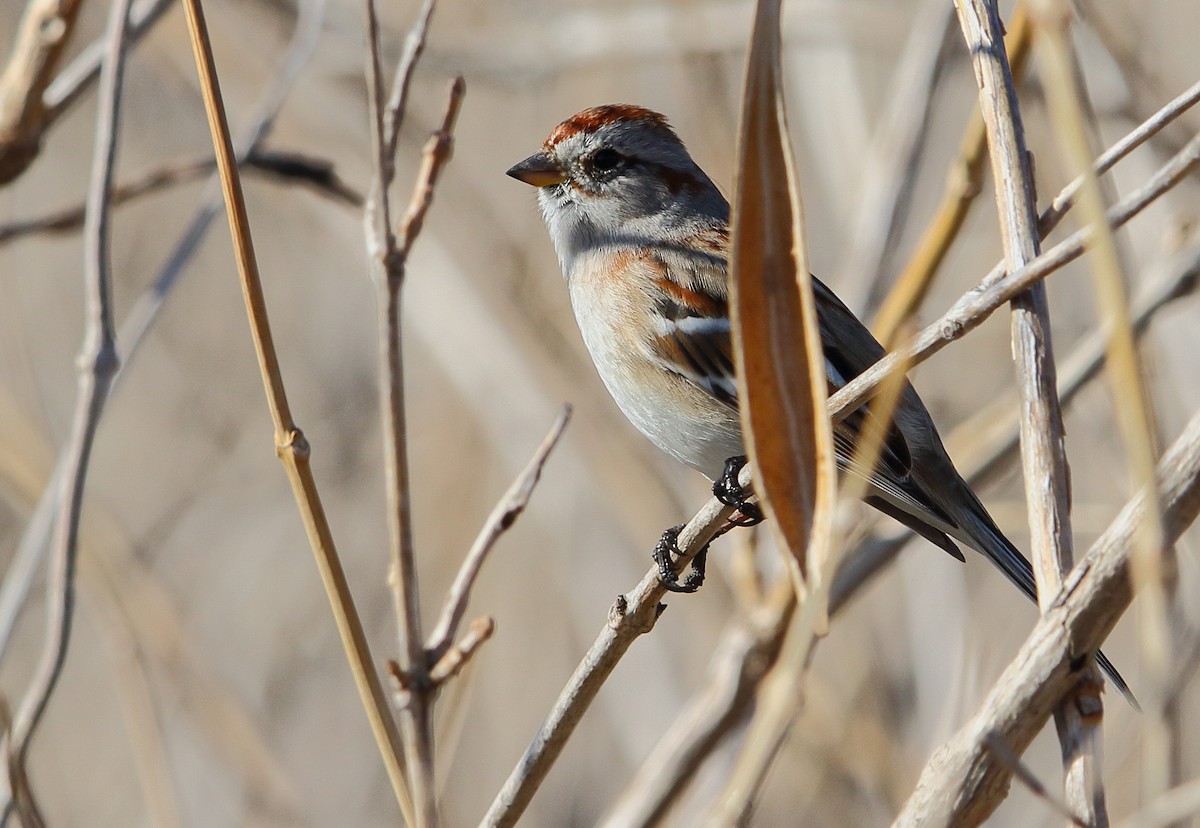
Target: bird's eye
[606,160]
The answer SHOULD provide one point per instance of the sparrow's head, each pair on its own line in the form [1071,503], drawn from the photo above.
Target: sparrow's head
[618,174]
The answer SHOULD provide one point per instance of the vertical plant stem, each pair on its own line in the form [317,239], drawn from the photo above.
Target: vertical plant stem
[1124,371]
[290,443]
[1043,451]
[97,364]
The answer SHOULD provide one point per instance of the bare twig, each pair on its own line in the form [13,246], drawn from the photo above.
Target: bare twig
[397,101]
[498,522]
[97,364]
[146,308]
[457,656]
[633,614]
[285,167]
[291,445]
[1146,130]
[389,260]
[963,783]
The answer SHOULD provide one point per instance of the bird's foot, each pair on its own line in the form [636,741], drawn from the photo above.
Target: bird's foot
[729,491]
[666,555]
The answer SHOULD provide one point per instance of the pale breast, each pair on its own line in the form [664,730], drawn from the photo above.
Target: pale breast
[613,313]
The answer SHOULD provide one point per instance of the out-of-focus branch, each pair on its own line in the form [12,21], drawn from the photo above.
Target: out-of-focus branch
[285,167]
[1007,757]
[42,36]
[963,783]
[894,156]
[290,443]
[31,97]
[78,75]
[973,308]
[964,182]
[97,364]
[147,306]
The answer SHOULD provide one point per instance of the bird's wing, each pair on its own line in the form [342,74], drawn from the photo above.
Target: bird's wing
[691,317]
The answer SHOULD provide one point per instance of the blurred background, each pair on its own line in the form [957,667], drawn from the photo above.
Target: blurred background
[206,684]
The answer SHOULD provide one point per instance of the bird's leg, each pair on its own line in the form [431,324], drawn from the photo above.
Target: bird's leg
[667,552]
[729,491]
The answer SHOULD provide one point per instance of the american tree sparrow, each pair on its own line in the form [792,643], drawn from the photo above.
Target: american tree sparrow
[642,235]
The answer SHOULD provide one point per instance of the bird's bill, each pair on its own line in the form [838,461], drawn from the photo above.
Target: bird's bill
[538,170]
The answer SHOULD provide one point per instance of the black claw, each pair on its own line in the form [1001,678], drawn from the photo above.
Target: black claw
[695,577]
[749,514]
[726,487]
[667,552]
[729,491]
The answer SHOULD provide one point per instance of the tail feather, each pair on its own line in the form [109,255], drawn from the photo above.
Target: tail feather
[986,538]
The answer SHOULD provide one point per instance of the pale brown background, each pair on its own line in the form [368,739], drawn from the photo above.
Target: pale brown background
[223,641]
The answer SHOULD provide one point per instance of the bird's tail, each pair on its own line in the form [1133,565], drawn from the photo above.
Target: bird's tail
[984,536]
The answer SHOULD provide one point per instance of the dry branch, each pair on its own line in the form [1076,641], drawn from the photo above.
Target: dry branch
[43,35]
[32,98]
[963,783]
[389,261]
[632,615]
[1043,444]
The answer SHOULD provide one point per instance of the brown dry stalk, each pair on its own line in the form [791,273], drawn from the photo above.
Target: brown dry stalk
[290,443]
